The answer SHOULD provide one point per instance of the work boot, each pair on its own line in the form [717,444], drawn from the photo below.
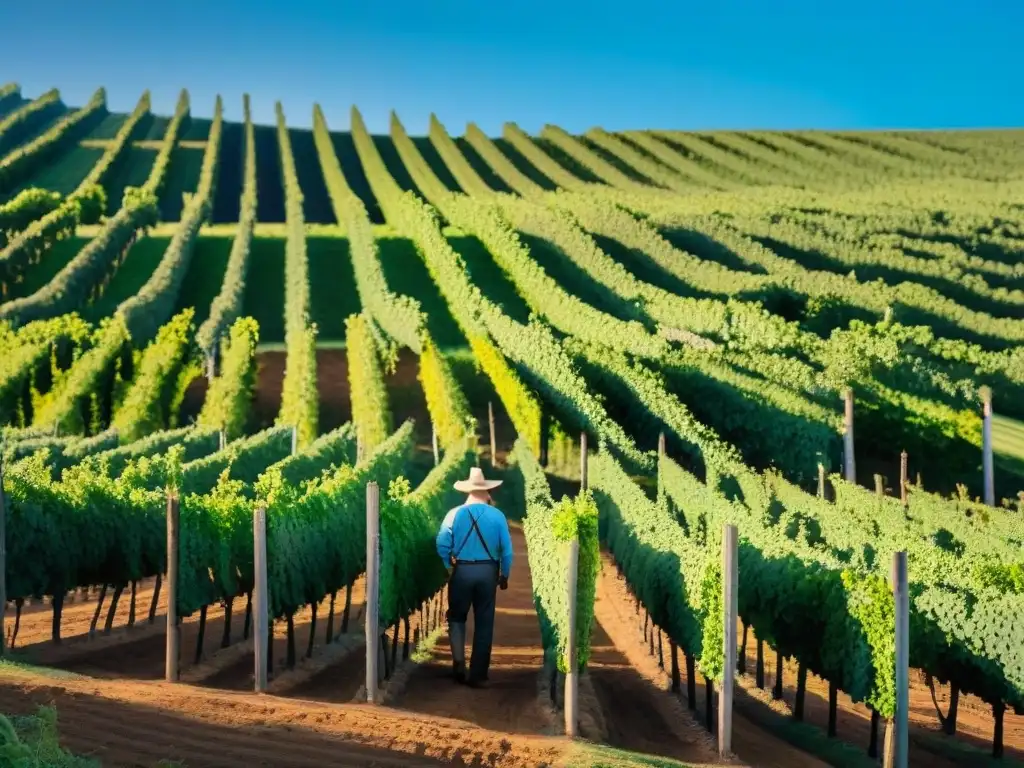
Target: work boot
[457,639]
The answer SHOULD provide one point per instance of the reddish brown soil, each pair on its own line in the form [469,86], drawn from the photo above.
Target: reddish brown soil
[641,713]
[332,384]
[266,403]
[127,723]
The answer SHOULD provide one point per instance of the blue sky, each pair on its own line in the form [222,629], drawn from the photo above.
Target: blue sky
[636,64]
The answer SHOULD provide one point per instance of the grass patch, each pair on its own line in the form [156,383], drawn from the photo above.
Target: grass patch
[205,274]
[644,268]
[28,130]
[154,129]
[316,204]
[488,276]
[182,176]
[53,261]
[66,173]
[264,288]
[406,274]
[269,188]
[352,168]
[133,273]
[482,168]
[198,129]
[583,755]
[575,281]
[518,159]
[131,170]
[423,652]
[567,161]
[386,148]
[332,285]
[35,742]
[15,667]
[426,148]
[11,103]
[107,128]
[231,167]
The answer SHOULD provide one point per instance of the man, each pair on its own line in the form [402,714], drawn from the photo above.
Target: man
[475,544]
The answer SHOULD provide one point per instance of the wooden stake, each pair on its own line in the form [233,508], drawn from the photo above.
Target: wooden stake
[572,675]
[986,443]
[821,481]
[902,595]
[295,440]
[433,441]
[903,478]
[730,584]
[879,486]
[173,630]
[848,454]
[372,588]
[262,629]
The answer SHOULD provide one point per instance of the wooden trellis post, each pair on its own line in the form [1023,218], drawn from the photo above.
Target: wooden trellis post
[572,674]
[372,618]
[848,456]
[986,447]
[730,584]
[261,600]
[173,630]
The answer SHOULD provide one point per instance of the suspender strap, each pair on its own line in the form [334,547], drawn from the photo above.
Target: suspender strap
[474,528]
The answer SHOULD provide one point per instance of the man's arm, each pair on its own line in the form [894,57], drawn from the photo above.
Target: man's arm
[506,547]
[445,539]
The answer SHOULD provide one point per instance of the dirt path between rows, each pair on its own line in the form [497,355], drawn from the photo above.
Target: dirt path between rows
[645,715]
[510,704]
[127,723]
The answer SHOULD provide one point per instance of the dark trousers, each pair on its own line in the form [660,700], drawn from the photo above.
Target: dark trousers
[473,585]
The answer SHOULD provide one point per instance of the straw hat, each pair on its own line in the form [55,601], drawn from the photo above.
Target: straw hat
[476,482]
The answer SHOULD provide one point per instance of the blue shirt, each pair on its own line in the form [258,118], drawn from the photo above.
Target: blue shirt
[458,528]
